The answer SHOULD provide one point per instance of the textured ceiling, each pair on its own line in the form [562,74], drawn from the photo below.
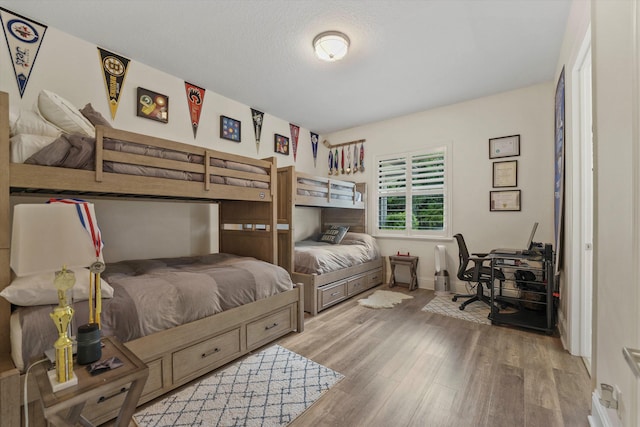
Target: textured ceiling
[406,56]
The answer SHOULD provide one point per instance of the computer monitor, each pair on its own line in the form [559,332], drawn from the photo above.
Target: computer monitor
[533,232]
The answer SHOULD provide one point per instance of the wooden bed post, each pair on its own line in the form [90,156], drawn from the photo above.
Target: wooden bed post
[9,375]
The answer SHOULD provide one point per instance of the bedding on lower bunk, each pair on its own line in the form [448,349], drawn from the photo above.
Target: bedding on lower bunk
[314,257]
[153,295]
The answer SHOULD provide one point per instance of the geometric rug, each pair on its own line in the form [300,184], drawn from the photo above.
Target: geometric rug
[383,299]
[474,312]
[270,388]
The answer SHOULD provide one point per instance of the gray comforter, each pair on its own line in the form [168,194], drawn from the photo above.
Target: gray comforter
[312,257]
[154,295]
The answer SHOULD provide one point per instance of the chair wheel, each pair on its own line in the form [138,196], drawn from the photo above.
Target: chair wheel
[461,307]
[454,299]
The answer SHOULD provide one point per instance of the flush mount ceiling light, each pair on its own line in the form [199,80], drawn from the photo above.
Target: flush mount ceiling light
[331,45]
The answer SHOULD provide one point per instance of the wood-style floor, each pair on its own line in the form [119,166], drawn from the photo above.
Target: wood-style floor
[406,367]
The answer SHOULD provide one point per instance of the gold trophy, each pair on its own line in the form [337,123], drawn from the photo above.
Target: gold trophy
[61,316]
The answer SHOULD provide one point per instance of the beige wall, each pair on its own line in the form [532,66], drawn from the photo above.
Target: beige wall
[617,196]
[468,127]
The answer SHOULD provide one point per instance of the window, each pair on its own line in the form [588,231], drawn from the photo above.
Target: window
[413,194]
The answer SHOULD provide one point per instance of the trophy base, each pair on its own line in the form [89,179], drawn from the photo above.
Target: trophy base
[57,386]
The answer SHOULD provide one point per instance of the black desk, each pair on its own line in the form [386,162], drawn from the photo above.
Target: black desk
[527,297]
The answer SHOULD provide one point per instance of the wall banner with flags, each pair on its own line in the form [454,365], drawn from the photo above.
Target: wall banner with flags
[295,130]
[314,147]
[195,99]
[257,117]
[24,38]
[114,69]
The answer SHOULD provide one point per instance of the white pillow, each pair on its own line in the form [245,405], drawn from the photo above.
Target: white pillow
[32,123]
[24,146]
[63,114]
[38,289]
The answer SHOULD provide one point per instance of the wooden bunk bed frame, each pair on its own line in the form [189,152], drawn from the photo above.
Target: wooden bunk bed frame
[321,291]
[178,355]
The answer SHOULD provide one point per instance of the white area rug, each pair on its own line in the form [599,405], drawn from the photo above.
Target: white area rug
[270,388]
[474,312]
[383,299]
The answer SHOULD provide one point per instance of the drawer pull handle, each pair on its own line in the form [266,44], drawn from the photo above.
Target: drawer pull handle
[266,328]
[335,293]
[209,353]
[105,398]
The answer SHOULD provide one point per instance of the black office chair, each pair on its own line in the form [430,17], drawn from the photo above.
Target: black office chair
[477,273]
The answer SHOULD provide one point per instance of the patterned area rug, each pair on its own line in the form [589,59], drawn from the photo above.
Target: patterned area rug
[474,312]
[383,299]
[270,388]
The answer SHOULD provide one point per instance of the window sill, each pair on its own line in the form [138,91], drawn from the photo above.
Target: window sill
[425,238]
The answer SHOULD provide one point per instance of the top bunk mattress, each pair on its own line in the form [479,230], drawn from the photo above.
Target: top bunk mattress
[313,257]
[153,295]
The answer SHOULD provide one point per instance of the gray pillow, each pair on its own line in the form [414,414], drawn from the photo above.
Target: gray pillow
[334,234]
[94,116]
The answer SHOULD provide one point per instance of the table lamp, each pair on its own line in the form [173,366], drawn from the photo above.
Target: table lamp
[56,238]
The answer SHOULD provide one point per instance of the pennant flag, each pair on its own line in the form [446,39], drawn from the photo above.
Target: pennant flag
[257,125]
[295,130]
[195,99]
[24,38]
[114,69]
[314,147]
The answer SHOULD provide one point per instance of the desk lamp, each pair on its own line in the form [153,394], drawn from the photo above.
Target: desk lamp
[52,238]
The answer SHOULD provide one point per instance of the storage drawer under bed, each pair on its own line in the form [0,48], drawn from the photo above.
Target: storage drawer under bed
[206,353]
[269,327]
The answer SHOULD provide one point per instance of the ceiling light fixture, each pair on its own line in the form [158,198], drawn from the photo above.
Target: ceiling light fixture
[331,45]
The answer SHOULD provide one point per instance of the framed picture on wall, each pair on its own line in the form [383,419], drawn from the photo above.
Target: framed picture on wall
[230,128]
[505,174]
[152,105]
[507,200]
[505,146]
[281,144]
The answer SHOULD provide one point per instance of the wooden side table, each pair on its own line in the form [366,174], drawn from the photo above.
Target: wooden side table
[129,379]
[406,260]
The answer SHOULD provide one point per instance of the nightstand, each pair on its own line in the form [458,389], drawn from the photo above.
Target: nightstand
[405,260]
[64,408]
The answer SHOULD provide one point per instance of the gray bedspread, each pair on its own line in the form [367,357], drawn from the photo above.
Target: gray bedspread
[154,295]
[312,257]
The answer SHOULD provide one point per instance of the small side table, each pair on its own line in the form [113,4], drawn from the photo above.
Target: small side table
[406,260]
[129,378]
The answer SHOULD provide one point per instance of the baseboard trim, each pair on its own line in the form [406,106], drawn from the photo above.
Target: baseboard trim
[601,416]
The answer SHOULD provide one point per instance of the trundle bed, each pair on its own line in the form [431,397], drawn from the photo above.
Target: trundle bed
[245,190]
[342,204]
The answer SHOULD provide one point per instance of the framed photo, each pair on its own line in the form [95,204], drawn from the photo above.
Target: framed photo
[505,174]
[281,144]
[152,105]
[507,200]
[505,146]
[230,128]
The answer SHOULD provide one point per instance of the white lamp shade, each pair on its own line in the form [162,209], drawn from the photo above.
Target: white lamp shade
[331,45]
[46,237]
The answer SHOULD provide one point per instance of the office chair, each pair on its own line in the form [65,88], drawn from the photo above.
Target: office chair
[477,273]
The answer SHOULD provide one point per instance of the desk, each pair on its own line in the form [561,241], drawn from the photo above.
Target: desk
[128,379]
[528,287]
[406,260]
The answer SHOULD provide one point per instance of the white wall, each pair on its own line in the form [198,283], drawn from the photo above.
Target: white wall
[616,121]
[71,67]
[469,125]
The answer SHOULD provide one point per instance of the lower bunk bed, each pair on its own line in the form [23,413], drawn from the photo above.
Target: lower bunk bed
[330,272]
[182,316]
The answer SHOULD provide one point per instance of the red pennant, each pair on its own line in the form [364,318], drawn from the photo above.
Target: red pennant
[295,130]
[195,99]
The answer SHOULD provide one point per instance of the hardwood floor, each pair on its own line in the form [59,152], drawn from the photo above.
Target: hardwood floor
[406,367]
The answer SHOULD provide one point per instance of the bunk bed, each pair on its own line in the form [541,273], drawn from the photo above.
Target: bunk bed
[342,204]
[245,190]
